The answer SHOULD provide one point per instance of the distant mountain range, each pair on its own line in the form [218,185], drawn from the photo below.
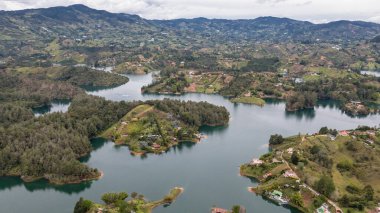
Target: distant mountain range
[80,21]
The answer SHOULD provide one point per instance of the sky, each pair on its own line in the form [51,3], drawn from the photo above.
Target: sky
[317,11]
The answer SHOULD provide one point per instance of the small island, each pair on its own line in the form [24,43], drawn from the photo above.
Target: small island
[155,126]
[146,129]
[118,203]
[322,172]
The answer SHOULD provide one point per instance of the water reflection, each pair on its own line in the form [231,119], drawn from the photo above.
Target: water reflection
[7,183]
[308,114]
[331,104]
[96,143]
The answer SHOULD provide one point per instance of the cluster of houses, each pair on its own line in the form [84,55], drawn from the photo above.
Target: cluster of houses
[357,133]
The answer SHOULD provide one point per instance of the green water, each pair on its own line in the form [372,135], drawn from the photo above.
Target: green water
[208,171]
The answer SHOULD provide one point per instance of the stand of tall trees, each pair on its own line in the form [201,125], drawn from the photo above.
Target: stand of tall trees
[194,113]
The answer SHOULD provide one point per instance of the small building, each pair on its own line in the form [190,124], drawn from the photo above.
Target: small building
[218,210]
[276,193]
[369,141]
[290,174]
[332,137]
[256,162]
[323,209]
[343,133]
[156,146]
[290,150]
[265,176]
[277,196]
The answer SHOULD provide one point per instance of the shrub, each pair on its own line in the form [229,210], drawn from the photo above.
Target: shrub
[296,199]
[344,166]
[82,206]
[294,158]
[325,185]
[276,139]
[111,198]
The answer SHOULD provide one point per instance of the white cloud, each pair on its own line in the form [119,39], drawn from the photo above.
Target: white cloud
[311,10]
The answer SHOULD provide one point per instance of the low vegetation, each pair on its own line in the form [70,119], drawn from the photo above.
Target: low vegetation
[118,203]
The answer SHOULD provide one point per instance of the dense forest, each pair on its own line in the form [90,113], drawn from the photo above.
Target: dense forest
[49,146]
[194,113]
[22,90]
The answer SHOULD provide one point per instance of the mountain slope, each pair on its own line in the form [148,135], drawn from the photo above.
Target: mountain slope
[79,20]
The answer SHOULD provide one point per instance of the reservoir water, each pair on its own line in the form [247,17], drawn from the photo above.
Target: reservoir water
[209,170]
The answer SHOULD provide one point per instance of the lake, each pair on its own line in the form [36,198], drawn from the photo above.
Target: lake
[209,170]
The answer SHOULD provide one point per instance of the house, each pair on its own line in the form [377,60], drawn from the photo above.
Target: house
[298,80]
[323,209]
[276,193]
[218,210]
[265,176]
[277,196]
[290,174]
[290,150]
[344,133]
[332,137]
[369,141]
[356,102]
[256,162]
[156,146]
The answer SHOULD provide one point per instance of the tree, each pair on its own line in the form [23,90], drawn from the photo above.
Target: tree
[235,209]
[344,201]
[324,130]
[315,149]
[294,158]
[296,199]
[368,192]
[134,194]
[82,206]
[325,185]
[123,206]
[276,139]
[111,198]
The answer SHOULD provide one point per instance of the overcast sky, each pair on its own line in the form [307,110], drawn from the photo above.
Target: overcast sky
[317,11]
